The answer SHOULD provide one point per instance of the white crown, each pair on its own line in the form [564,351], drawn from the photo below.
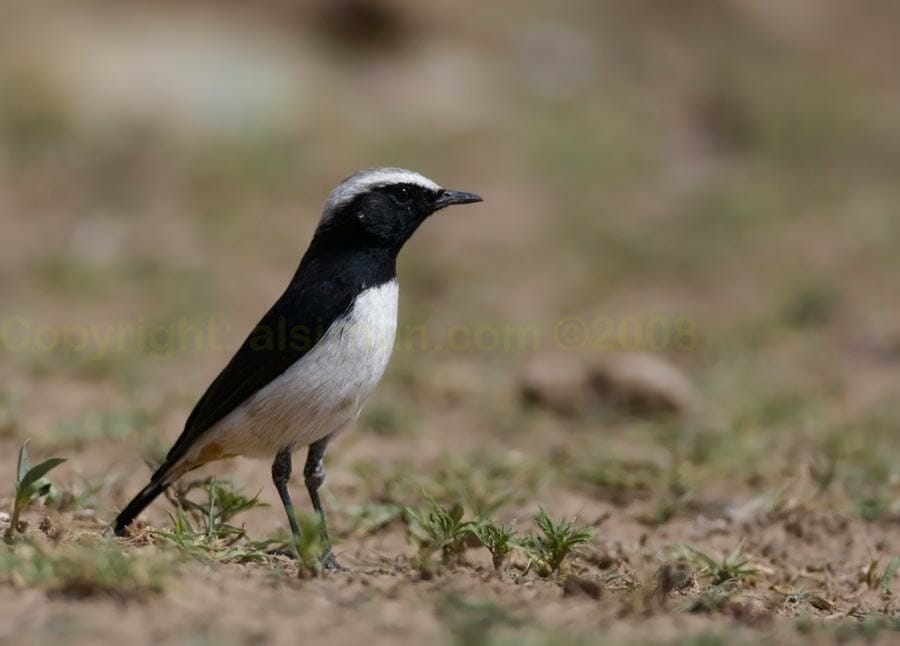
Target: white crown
[369,178]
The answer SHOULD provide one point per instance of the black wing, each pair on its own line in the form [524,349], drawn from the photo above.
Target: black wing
[288,331]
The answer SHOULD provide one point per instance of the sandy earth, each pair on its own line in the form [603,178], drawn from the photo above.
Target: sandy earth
[637,167]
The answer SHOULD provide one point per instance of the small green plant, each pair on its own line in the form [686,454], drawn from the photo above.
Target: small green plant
[439,529]
[308,546]
[733,566]
[31,484]
[223,501]
[548,549]
[203,528]
[497,538]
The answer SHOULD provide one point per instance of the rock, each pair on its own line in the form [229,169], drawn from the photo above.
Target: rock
[642,383]
[556,382]
[85,515]
[637,383]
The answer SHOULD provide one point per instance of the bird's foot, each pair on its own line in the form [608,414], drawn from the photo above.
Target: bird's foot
[329,563]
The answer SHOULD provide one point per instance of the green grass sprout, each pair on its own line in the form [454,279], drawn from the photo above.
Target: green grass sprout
[439,528]
[498,538]
[31,484]
[548,549]
[734,566]
[202,527]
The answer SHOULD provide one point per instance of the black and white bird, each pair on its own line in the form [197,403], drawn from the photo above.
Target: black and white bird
[304,372]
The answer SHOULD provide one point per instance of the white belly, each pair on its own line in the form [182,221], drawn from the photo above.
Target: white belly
[323,391]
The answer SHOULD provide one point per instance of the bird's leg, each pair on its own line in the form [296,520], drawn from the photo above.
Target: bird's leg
[281,473]
[314,476]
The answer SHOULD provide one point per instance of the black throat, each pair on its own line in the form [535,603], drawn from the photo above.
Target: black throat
[347,265]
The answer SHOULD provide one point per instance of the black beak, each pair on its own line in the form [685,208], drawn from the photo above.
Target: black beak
[447,198]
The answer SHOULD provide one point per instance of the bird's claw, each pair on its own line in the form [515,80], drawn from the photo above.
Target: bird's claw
[329,563]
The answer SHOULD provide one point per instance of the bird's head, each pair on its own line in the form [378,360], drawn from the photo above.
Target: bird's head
[382,207]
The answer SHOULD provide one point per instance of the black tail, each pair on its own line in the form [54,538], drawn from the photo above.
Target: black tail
[147,495]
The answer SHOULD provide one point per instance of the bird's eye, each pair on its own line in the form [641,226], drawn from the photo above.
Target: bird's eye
[402,195]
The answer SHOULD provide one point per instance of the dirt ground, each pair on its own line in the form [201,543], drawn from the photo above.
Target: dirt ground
[673,321]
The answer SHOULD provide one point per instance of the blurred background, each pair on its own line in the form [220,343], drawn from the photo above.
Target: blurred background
[728,169]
